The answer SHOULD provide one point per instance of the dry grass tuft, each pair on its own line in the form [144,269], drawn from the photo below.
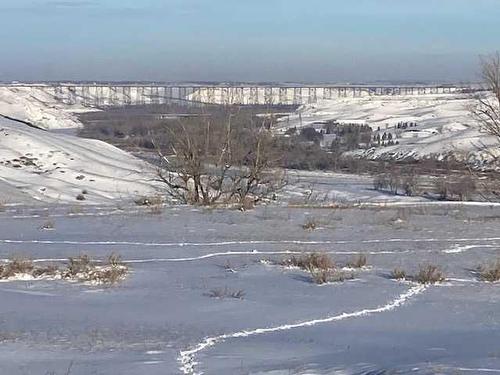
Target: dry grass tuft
[429,274]
[359,261]
[154,203]
[50,270]
[310,224]
[16,266]
[310,261]
[153,200]
[47,225]
[225,293]
[398,274]
[115,260]
[490,272]
[323,276]
[320,266]
[246,204]
[79,265]
[82,268]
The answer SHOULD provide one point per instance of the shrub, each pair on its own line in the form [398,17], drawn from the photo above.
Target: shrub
[22,266]
[320,266]
[310,261]
[48,270]
[461,189]
[464,188]
[398,274]
[358,262]
[247,203]
[323,276]
[48,225]
[380,182]
[394,183]
[429,274]
[107,275]
[152,200]
[79,265]
[410,185]
[225,293]
[82,268]
[310,224]
[16,266]
[441,187]
[490,272]
[115,260]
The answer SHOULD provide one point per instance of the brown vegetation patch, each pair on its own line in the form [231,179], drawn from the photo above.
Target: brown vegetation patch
[80,268]
[490,272]
[359,261]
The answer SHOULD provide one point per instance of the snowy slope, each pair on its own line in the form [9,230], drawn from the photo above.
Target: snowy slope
[444,123]
[38,107]
[57,167]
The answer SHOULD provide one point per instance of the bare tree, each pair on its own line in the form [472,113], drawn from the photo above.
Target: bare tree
[215,160]
[487,110]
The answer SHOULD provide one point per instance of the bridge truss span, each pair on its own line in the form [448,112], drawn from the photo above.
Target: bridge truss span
[119,94]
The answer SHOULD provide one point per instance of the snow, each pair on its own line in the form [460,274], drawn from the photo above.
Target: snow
[159,320]
[284,324]
[36,106]
[445,124]
[55,167]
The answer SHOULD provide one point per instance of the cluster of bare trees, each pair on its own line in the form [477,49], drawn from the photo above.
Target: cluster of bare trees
[461,188]
[408,182]
[397,181]
[222,160]
[487,111]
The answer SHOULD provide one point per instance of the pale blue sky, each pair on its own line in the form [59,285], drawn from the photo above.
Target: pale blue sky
[246,40]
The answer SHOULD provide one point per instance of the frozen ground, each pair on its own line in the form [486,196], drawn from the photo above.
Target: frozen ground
[160,321]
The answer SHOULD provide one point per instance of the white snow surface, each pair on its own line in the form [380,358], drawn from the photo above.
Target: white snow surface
[56,167]
[445,124]
[38,107]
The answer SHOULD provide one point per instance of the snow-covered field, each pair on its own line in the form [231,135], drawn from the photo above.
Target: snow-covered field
[161,320]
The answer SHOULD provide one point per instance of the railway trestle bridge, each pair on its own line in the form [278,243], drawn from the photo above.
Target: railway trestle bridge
[118,94]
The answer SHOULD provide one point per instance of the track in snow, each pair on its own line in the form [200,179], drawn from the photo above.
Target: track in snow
[187,358]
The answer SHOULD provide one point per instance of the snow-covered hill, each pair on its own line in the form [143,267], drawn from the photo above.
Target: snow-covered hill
[444,124]
[38,108]
[52,167]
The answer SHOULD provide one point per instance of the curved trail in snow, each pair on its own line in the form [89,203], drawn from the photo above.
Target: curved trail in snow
[222,254]
[187,358]
[453,250]
[247,242]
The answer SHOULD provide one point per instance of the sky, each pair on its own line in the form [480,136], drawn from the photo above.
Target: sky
[247,40]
